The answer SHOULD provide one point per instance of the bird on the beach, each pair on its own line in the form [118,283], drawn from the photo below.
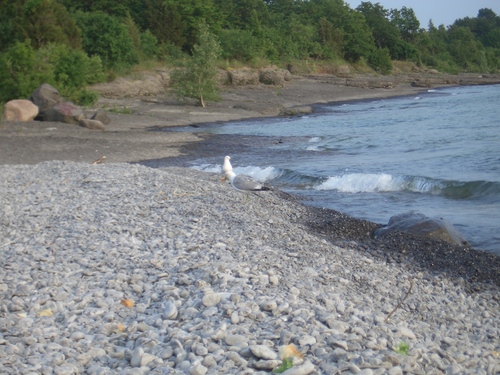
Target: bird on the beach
[245,184]
[226,167]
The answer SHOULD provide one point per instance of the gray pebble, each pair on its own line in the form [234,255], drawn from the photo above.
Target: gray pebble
[262,351]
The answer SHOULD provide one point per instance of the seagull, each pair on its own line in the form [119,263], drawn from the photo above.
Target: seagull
[244,183]
[226,167]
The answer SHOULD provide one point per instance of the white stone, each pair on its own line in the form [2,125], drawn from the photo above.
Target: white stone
[306,368]
[262,351]
[198,370]
[211,299]
[407,333]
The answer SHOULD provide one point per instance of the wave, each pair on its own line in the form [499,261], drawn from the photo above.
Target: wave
[382,182]
[258,173]
[367,182]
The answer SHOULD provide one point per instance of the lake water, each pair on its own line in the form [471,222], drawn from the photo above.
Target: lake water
[437,153]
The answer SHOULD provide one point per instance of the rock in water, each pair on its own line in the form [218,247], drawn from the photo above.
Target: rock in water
[421,225]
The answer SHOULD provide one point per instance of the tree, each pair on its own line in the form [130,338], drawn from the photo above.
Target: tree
[407,23]
[196,78]
[108,37]
[358,38]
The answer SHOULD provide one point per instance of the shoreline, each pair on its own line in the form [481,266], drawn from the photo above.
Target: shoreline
[134,137]
[130,137]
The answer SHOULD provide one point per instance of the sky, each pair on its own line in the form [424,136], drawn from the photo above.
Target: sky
[440,11]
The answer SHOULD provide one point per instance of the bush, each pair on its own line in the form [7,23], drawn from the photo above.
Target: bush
[85,97]
[73,70]
[380,60]
[149,45]
[22,71]
[237,45]
[170,52]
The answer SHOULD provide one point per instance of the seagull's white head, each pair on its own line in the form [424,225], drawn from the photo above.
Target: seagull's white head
[227,165]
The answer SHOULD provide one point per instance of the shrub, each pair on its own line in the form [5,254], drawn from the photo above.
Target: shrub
[22,71]
[149,45]
[380,60]
[237,45]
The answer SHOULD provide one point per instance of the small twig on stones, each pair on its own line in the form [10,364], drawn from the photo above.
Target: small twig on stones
[100,160]
[400,303]
[5,244]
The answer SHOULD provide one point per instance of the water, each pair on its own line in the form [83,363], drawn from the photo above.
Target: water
[437,153]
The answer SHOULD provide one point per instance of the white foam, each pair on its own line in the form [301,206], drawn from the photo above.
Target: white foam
[260,174]
[361,183]
[208,168]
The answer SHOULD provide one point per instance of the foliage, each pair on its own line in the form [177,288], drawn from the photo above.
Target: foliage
[358,40]
[107,37]
[148,44]
[115,35]
[23,69]
[238,45]
[287,363]
[21,72]
[380,60]
[196,79]
[402,348]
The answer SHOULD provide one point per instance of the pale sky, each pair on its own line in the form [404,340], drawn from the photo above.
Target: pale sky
[440,11]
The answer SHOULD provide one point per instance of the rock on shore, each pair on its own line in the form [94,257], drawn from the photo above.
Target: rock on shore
[118,268]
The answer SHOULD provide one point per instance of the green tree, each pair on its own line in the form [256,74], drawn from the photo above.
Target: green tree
[406,22]
[197,77]
[107,37]
[358,37]
[42,22]
[385,33]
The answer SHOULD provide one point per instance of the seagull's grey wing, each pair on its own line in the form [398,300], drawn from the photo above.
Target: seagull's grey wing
[243,182]
[247,184]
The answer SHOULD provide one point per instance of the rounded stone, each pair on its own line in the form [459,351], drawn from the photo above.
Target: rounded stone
[211,299]
[262,351]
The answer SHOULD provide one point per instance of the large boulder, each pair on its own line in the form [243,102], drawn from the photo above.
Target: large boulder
[20,110]
[343,71]
[276,77]
[242,77]
[421,225]
[45,97]
[66,112]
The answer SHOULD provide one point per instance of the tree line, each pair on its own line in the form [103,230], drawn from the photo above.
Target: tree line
[74,43]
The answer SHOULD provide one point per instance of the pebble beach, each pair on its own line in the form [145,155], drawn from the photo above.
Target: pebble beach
[123,269]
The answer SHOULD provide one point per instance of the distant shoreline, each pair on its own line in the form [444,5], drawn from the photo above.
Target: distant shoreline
[129,136]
